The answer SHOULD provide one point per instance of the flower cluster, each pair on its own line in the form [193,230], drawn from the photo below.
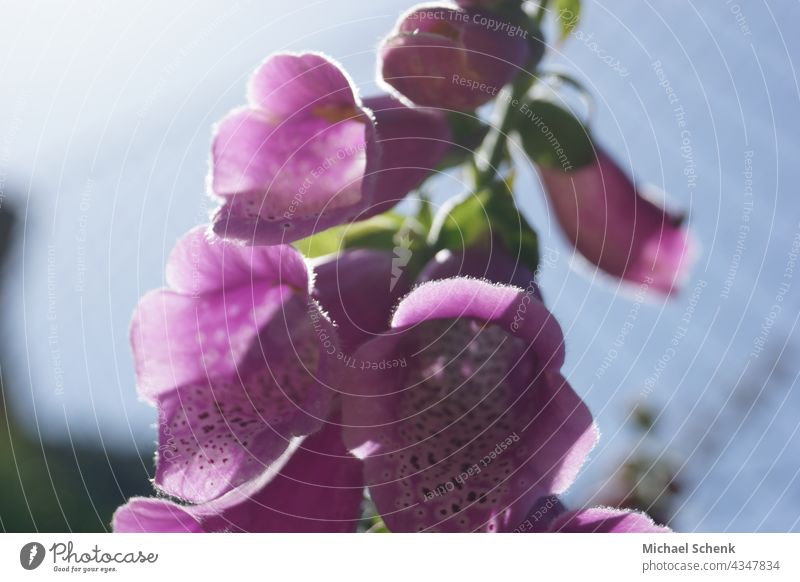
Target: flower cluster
[294,392]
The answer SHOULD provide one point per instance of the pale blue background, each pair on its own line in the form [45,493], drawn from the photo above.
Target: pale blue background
[104,139]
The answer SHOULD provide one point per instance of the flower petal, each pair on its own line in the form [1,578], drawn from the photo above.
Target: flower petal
[146,515]
[343,282]
[302,166]
[222,295]
[493,264]
[330,180]
[614,227]
[178,339]
[218,433]
[476,423]
[413,142]
[320,489]
[606,520]
[300,159]
[199,264]
[542,514]
[439,56]
[288,84]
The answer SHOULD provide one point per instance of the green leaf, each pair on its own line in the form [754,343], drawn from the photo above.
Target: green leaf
[375,233]
[462,222]
[568,13]
[515,233]
[552,136]
[391,231]
[490,213]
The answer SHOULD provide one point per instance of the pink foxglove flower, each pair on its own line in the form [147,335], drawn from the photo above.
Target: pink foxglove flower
[237,357]
[413,141]
[444,56]
[606,520]
[550,516]
[300,157]
[319,489]
[307,154]
[359,290]
[478,423]
[617,229]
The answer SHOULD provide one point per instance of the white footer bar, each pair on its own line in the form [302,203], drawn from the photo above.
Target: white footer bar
[393,557]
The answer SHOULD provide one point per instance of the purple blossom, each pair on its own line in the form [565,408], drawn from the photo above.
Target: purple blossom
[549,515]
[476,422]
[444,56]
[448,404]
[318,489]
[614,227]
[307,154]
[413,141]
[300,157]
[238,359]
[606,520]
[343,281]
[359,289]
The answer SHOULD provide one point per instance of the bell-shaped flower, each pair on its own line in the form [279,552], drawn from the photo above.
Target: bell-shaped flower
[548,515]
[318,489]
[306,154]
[606,520]
[301,157]
[343,281]
[237,357]
[460,412]
[359,289]
[613,226]
[413,141]
[448,57]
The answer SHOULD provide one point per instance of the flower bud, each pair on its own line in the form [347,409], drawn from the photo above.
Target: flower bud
[600,209]
[613,226]
[452,58]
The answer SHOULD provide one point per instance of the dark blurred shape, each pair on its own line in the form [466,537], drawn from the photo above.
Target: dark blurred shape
[6,221]
[647,478]
[643,418]
[55,488]
[645,483]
